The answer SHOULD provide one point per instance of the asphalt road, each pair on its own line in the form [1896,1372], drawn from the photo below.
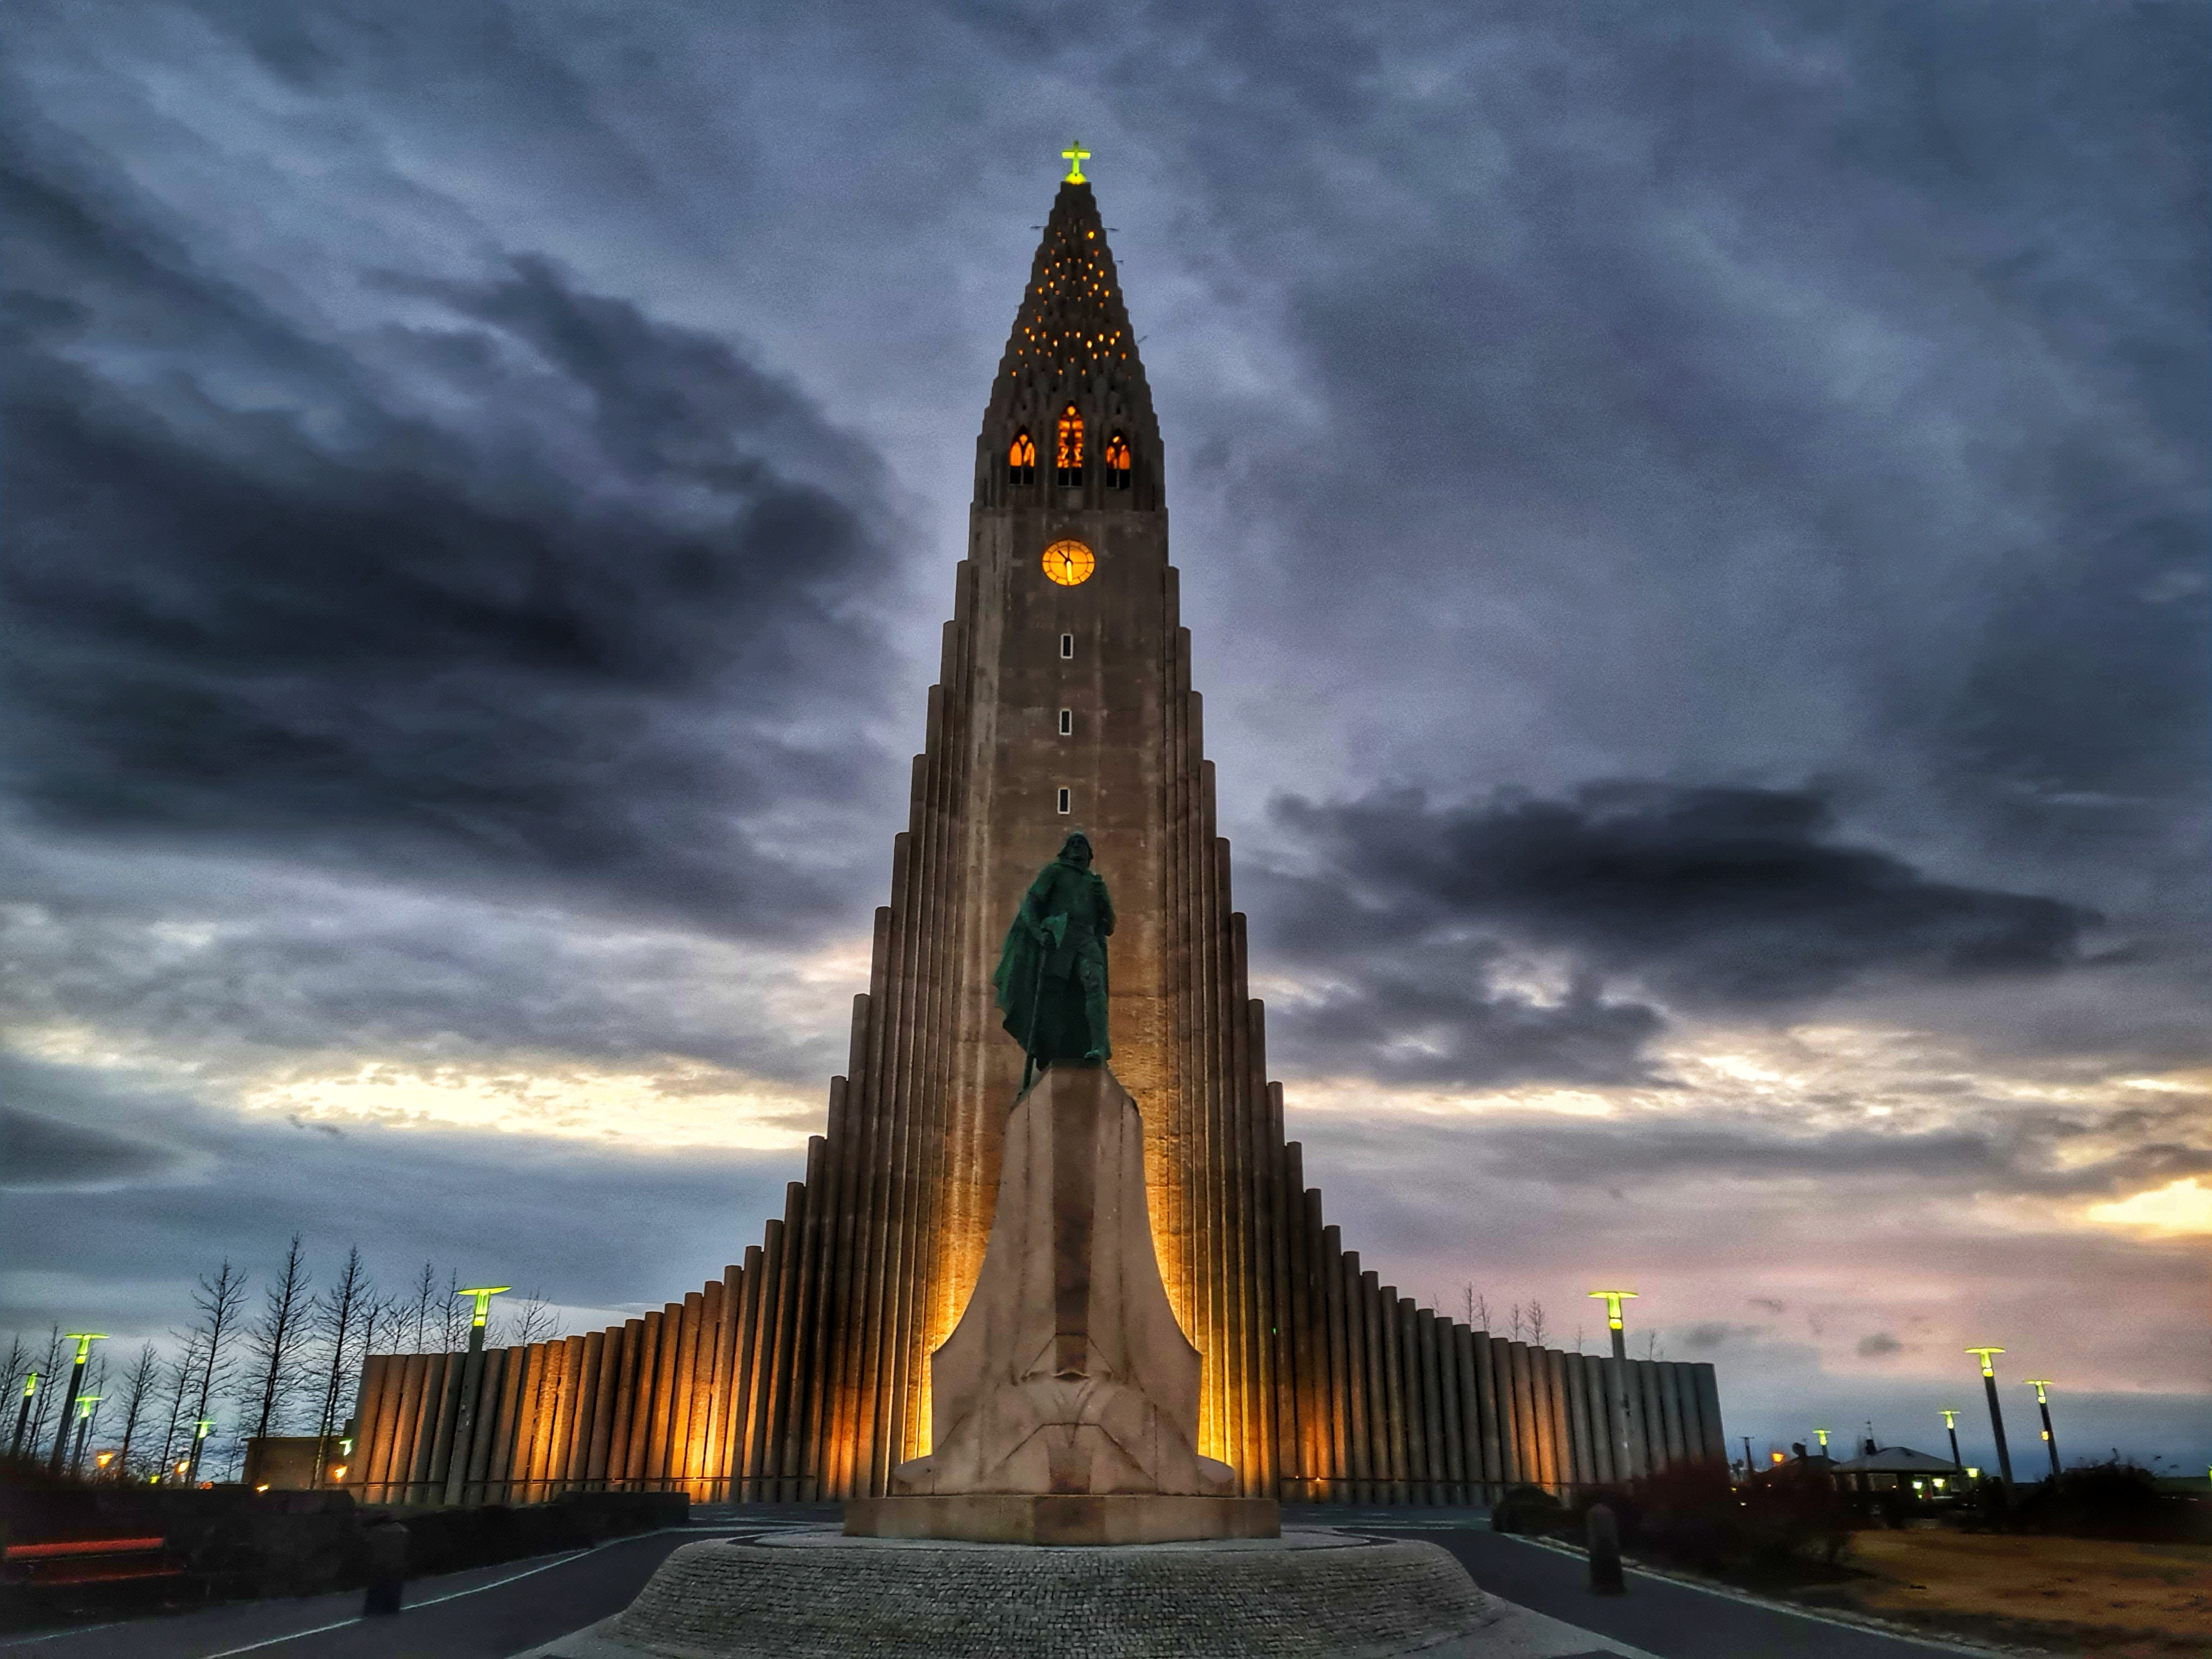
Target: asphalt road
[493,1613]
[488,1613]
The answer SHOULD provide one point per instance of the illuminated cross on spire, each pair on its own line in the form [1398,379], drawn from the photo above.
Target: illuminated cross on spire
[1075,156]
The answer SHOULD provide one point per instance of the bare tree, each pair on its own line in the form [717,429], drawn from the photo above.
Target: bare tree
[273,1341]
[455,1336]
[1478,1308]
[218,1301]
[529,1318]
[343,1316]
[182,1370]
[1515,1326]
[1579,1339]
[1651,1348]
[138,1390]
[22,1356]
[1536,1323]
[43,1402]
[426,1293]
[19,1361]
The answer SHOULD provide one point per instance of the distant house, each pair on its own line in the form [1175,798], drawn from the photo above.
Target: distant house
[1895,1469]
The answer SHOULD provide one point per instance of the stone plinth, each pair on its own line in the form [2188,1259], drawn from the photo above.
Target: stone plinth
[1315,1594]
[1067,1373]
[990,1517]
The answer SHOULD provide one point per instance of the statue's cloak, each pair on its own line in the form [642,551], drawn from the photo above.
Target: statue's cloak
[1051,979]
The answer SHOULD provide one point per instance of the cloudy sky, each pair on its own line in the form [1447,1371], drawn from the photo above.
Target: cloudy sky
[1693,520]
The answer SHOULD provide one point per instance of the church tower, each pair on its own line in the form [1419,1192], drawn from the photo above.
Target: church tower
[1063,701]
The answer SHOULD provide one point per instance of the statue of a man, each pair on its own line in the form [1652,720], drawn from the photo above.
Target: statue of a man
[1052,974]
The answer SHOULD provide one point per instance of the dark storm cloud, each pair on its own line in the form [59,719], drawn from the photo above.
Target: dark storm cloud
[1432,1015]
[1783,388]
[44,1152]
[1718,897]
[534,585]
[187,961]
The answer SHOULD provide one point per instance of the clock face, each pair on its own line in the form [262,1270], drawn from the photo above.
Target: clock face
[1069,563]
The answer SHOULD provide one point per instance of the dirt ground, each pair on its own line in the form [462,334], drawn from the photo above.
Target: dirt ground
[2118,1600]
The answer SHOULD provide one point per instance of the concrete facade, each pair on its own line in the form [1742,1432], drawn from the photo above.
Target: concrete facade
[804,1372]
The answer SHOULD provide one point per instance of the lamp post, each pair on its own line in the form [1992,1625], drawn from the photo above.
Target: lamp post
[84,1340]
[85,1402]
[23,1413]
[1746,1457]
[457,1471]
[2043,1405]
[1951,1428]
[200,1432]
[1625,1456]
[1996,1413]
[1823,1435]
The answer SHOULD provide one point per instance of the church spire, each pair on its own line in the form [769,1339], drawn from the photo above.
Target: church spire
[1070,409]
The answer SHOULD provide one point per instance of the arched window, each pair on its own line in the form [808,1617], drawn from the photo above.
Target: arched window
[1067,452]
[1117,462]
[1021,459]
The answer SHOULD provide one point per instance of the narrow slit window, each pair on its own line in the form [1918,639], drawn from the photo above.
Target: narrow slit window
[1117,462]
[1021,459]
[1068,722]
[1063,802]
[1067,447]
[1067,645]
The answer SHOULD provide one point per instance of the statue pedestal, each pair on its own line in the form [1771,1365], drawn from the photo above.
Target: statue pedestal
[1064,1407]
[1065,1519]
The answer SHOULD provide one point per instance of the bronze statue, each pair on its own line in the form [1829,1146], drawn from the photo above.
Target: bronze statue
[1052,974]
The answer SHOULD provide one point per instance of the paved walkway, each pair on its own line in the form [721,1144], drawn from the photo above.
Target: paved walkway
[1662,1615]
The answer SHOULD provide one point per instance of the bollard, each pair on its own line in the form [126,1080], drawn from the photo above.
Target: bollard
[1604,1535]
[387,1569]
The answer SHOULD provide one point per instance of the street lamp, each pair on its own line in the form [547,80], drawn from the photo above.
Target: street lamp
[1823,1435]
[472,1373]
[1625,1453]
[1951,1428]
[85,1402]
[84,1340]
[23,1413]
[2043,1405]
[1996,1411]
[1612,1299]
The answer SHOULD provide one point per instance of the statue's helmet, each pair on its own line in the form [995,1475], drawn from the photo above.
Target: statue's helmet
[1077,848]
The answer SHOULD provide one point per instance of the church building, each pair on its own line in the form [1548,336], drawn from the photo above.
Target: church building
[1063,701]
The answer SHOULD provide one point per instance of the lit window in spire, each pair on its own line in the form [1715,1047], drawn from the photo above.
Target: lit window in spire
[1117,462]
[1068,450]
[1021,459]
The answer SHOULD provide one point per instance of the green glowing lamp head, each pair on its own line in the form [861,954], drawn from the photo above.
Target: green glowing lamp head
[1823,1433]
[30,1384]
[84,1340]
[1950,1416]
[2039,1383]
[1988,1370]
[483,1294]
[1612,1299]
[84,1406]
[1075,156]
[204,1425]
